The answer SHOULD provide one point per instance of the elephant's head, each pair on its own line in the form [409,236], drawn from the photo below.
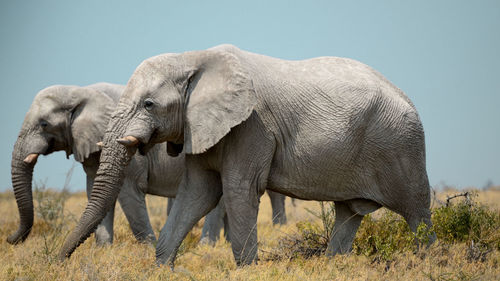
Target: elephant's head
[68,118]
[189,100]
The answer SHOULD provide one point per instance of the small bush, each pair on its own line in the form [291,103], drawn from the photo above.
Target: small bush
[49,210]
[389,234]
[467,221]
[49,203]
[311,239]
[383,237]
[307,242]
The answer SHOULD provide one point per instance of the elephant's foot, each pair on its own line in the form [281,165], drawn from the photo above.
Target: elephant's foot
[103,236]
[149,239]
[207,241]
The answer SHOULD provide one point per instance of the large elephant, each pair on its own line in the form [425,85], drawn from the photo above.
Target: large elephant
[320,129]
[74,119]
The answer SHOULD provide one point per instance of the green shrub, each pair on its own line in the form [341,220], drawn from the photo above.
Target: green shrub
[49,203]
[384,236]
[389,234]
[467,221]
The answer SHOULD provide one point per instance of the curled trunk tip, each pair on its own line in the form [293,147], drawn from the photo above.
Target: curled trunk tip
[19,236]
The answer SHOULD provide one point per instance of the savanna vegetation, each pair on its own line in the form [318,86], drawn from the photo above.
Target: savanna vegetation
[467,227]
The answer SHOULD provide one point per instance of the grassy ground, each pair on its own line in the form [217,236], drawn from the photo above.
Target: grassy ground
[128,260]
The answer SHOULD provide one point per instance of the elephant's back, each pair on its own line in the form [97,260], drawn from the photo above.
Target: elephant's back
[114,91]
[336,77]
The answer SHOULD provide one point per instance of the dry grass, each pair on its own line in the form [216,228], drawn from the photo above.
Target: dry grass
[129,260]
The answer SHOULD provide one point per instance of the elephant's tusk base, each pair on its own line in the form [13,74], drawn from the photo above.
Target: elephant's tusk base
[128,141]
[31,159]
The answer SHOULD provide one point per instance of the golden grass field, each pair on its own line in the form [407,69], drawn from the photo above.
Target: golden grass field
[126,259]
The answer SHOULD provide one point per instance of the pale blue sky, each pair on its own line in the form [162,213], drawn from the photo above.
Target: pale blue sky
[444,54]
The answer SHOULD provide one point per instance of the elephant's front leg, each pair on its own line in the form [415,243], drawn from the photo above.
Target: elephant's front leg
[242,207]
[246,165]
[243,182]
[198,193]
[133,203]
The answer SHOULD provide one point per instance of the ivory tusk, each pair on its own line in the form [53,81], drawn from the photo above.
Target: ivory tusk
[100,144]
[128,141]
[31,159]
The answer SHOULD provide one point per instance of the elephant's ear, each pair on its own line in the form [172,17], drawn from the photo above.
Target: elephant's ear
[220,95]
[89,120]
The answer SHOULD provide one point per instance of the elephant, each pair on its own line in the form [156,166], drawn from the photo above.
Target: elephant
[62,118]
[73,119]
[326,129]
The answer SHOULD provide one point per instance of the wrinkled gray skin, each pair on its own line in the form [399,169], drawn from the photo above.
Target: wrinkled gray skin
[73,119]
[320,129]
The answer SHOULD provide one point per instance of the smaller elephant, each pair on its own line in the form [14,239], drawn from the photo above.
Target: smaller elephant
[74,119]
[67,118]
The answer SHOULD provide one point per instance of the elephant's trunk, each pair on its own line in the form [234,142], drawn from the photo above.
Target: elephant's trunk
[22,174]
[109,179]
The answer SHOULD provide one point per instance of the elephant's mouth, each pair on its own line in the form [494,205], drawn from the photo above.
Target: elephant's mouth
[144,148]
[44,149]
[54,145]
[174,149]
[51,147]
[145,145]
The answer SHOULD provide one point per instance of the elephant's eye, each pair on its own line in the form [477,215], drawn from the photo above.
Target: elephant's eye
[148,104]
[44,124]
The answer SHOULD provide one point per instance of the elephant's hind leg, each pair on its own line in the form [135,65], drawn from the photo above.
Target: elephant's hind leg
[344,229]
[408,194]
[415,212]
[417,217]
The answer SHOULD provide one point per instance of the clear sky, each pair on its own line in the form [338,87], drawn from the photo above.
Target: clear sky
[445,55]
